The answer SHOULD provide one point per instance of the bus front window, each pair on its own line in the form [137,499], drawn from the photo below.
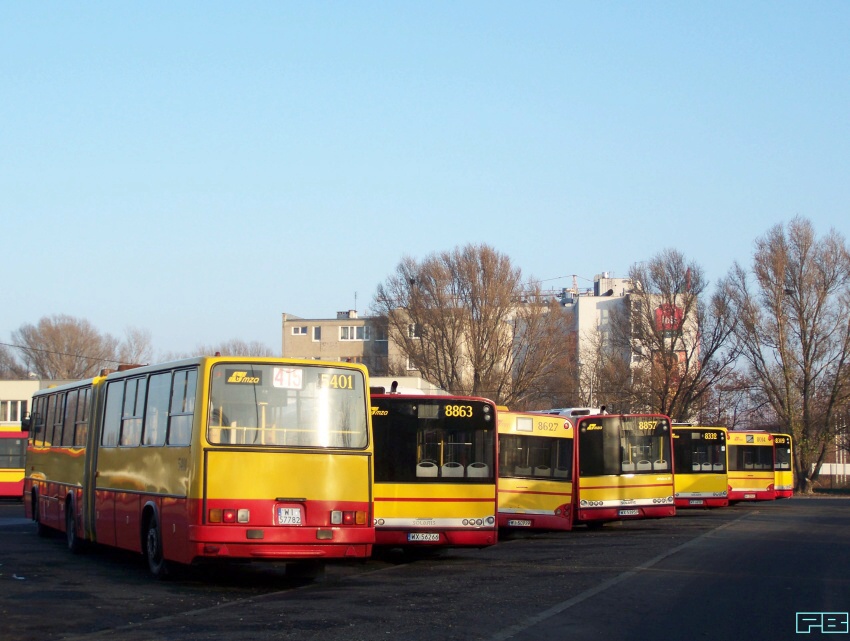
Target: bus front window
[644,445]
[432,441]
[783,457]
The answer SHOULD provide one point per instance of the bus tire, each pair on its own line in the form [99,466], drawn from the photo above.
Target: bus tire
[157,564]
[74,543]
[40,528]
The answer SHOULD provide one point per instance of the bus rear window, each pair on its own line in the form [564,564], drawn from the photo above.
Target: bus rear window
[12,452]
[294,406]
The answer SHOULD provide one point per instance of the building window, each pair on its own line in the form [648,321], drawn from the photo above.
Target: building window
[317,333]
[354,333]
[12,411]
[414,331]
[410,364]
[299,331]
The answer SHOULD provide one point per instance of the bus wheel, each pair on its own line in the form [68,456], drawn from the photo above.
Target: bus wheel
[153,549]
[75,544]
[40,528]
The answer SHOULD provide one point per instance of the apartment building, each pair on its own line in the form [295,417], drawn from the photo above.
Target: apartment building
[348,338]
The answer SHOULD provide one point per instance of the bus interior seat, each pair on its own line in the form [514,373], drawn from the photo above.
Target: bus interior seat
[628,466]
[660,464]
[706,466]
[522,470]
[452,468]
[562,472]
[478,469]
[426,468]
[644,465]
[718,467]
[696,467]
[542,470]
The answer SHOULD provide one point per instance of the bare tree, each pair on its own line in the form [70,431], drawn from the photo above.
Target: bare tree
[10,368]
[136,347]
[236,347]
[63,347]
[677,338]
[795,332]
[465,320]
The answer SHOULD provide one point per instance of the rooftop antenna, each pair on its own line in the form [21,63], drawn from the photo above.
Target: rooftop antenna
[355,301]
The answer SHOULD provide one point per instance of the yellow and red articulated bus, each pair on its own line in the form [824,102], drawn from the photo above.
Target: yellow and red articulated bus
[783,453]
[535,471]
[751,466]
[13,449]
[207,458]
[624,468]
[435,471]
[700,465]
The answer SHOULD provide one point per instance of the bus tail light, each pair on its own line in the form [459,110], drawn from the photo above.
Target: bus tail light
[340,517]
[229,515]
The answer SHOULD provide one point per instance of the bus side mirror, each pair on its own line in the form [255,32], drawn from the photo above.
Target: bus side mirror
[26,423]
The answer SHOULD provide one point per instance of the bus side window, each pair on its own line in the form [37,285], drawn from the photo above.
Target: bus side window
[112,414]
[182,407]
[81,428]
[70,419]
[37,419]
[131,421]
[156,411]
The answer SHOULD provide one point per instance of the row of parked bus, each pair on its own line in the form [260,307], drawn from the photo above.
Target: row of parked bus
[291,460]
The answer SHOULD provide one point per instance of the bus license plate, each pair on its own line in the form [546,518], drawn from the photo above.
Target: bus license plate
[519,523]
[696,502]
[629,512]
[289,516]
[423,536]
[749,496]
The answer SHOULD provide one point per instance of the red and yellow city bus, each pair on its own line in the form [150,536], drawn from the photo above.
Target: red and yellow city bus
[751,465]
[13,449]
[207,458]
[535,471]
[783,452]
[624,468]
[435,471]
[701,468]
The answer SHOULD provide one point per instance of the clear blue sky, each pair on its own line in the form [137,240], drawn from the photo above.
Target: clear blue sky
[197,168]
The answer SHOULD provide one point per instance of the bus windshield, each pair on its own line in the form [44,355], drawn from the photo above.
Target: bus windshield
[295,406]
[623,445]
[432,440]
